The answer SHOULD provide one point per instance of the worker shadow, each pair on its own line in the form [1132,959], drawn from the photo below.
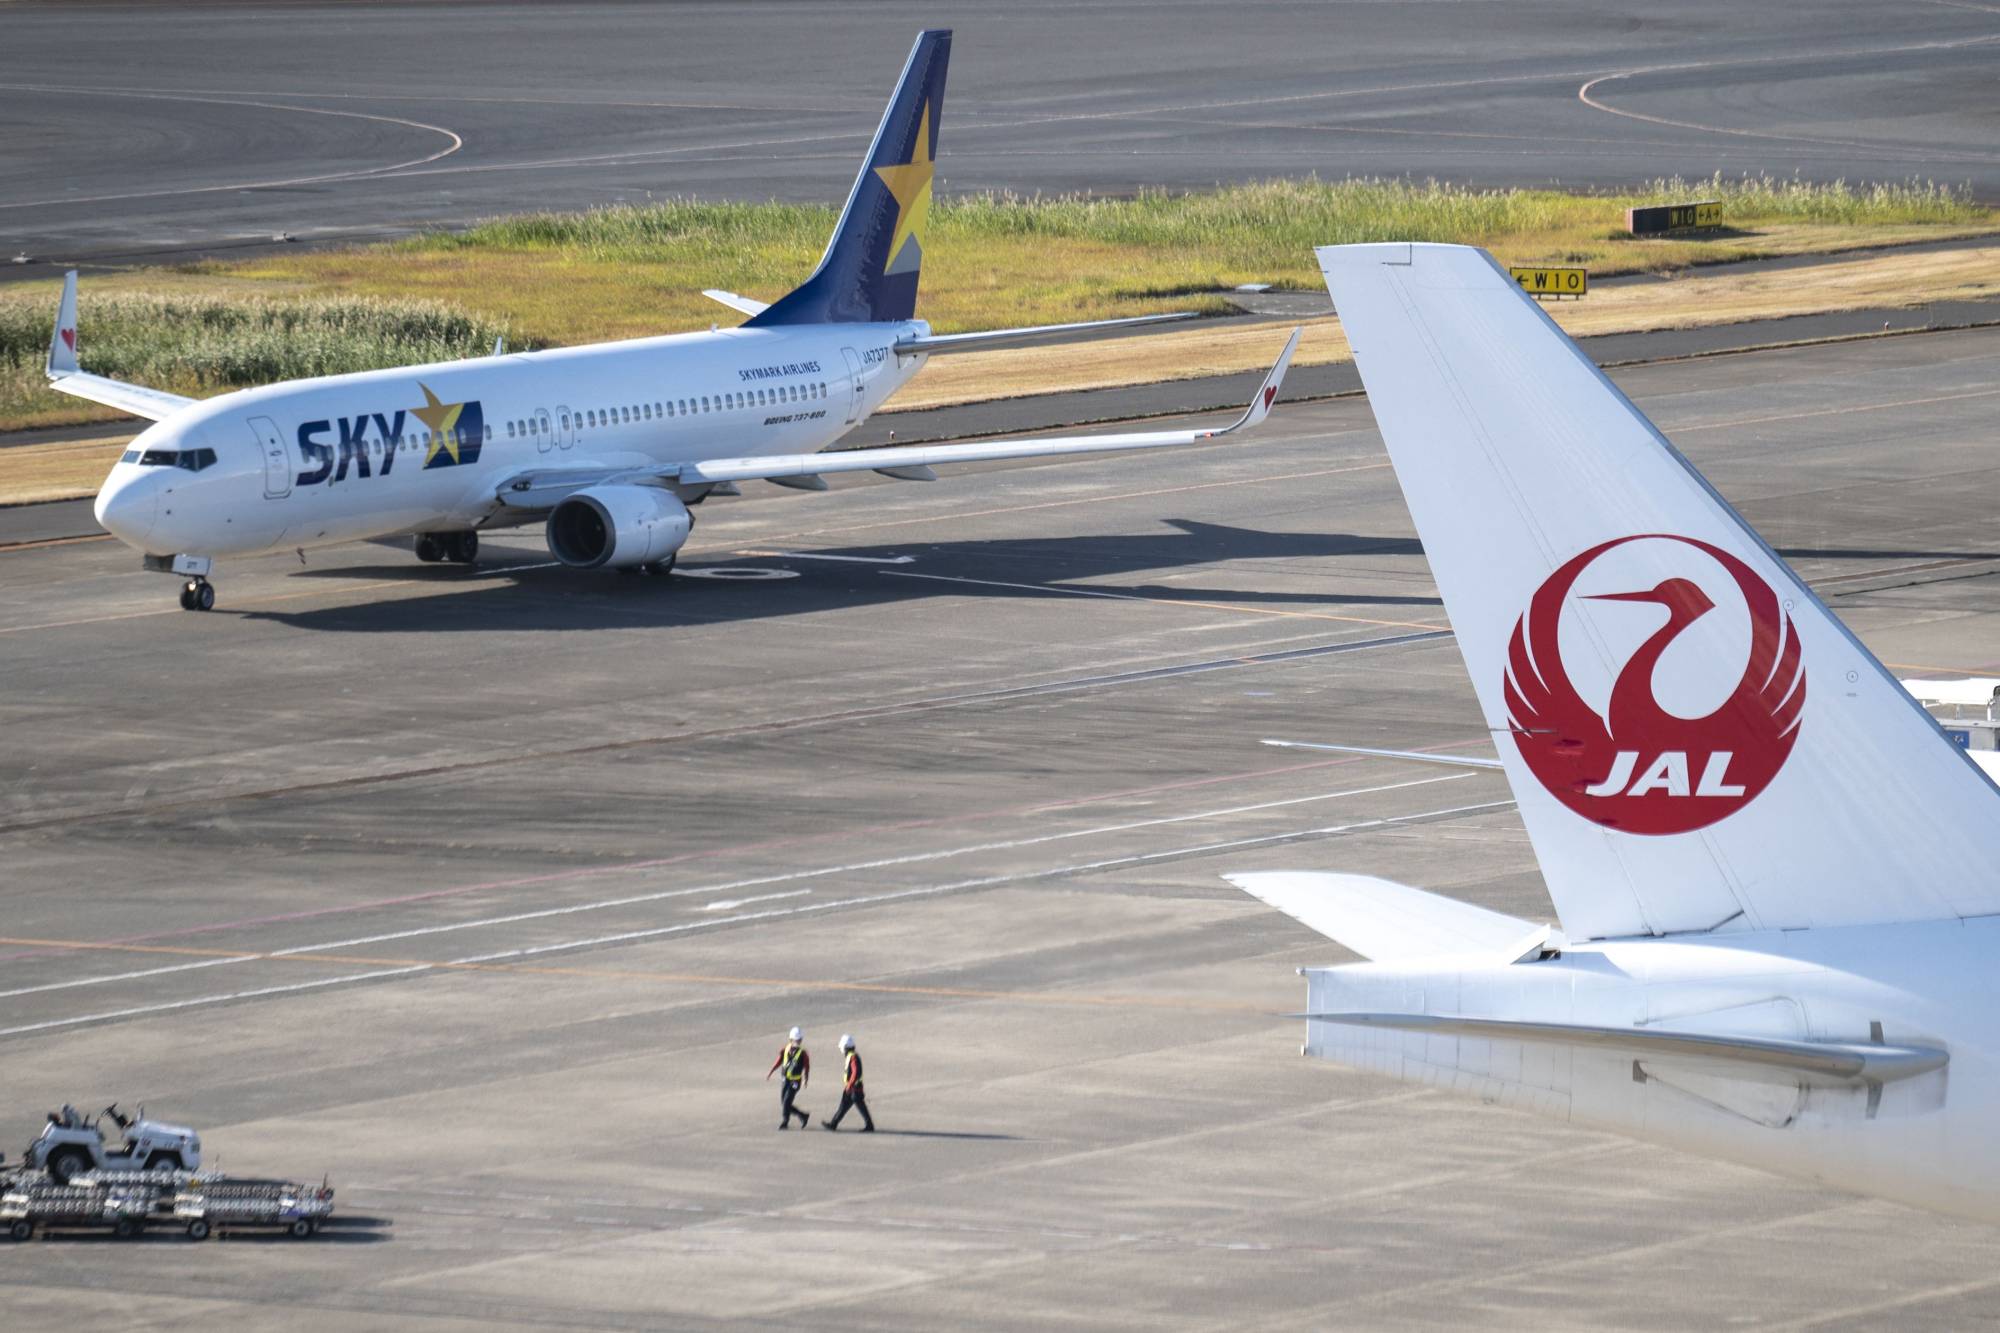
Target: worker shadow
[951,1134]
[516,591]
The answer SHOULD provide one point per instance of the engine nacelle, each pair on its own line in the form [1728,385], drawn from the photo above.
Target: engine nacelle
[616,527]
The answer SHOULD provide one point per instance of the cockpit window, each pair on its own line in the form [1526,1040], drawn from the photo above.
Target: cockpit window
[191,460]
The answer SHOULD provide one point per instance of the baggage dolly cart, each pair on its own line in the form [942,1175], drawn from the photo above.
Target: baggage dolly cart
[38,1202]
[201,1205]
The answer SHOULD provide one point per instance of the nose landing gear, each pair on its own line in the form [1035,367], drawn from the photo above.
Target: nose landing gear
[198,595]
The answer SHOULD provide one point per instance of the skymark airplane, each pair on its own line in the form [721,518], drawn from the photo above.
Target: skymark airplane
[611,444]
[1775,876]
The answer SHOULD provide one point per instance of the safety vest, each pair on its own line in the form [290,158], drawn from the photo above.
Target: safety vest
[795,1062]
[854,1069]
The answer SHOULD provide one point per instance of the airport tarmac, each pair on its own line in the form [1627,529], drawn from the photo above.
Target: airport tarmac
[334,121]
[491,894]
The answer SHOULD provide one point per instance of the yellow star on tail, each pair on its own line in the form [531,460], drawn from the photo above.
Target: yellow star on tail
[440,417]
[910,183]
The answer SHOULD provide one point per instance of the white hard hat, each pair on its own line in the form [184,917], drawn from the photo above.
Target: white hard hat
[798,1034]
[846,1042]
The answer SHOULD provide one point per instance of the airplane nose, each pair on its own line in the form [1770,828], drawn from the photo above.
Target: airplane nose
[126,508]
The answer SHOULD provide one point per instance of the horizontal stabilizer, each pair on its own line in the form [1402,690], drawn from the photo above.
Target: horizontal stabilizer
[936,344]
[1388,922]
[1418,756]
[1956,692]
[1837,1063]
[742,304]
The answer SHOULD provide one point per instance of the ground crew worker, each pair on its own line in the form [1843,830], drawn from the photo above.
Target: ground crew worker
[851,1092]
[797,1068]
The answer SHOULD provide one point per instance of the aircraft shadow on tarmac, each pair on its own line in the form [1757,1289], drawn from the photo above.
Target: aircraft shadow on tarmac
[340,1229]
[514,594]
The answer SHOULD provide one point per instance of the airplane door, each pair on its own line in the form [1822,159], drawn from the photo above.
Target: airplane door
[565,427]
[545,436]
[277,460]
[853,385]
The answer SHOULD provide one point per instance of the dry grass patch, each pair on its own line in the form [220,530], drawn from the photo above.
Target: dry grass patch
[554,279]
[68,470]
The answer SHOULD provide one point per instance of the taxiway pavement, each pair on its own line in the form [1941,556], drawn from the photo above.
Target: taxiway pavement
[150,133]
[492,892]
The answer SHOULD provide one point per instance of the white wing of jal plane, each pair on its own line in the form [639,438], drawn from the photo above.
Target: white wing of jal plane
[66,376]
[539,488]
[1779,936]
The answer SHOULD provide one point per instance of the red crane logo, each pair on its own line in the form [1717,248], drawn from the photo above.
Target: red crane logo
[1641,769]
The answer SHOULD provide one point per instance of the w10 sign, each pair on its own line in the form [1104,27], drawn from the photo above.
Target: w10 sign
[1552,281]
[1673,217]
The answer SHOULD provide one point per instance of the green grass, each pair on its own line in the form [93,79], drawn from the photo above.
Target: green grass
[991,261]
[199,345]
[997,260]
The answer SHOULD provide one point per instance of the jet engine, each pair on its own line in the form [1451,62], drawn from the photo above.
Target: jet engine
[617,527]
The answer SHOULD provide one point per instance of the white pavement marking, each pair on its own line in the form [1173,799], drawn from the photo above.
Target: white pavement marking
[731,904]
[845,559]
[659,932]
[738,573]
[913,858]
[359,173]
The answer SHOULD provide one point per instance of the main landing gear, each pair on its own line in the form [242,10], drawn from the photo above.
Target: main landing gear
[197,594]
[460,548]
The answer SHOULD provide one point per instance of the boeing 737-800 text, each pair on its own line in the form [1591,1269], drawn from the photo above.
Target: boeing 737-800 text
[610,444]
[1775,876]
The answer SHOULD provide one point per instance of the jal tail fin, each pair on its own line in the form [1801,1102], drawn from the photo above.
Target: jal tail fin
[870,269]
[1694,740]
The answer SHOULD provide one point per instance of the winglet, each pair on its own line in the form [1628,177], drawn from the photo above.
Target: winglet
[1267,392]
[62,343]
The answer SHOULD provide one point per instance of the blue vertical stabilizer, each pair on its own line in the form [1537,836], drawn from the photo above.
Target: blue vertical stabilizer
[869,271]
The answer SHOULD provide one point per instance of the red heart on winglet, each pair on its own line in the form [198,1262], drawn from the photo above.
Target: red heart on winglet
[69,338]
[1270,392]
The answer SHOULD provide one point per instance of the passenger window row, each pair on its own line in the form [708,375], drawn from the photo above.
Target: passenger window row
[593,417]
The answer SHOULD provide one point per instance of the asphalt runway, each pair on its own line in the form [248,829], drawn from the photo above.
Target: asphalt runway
[491,894]
[158,132]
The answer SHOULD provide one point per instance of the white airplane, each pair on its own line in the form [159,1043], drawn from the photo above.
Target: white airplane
[1778,882]
[611,443]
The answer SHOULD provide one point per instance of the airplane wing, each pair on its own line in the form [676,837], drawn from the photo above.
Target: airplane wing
[67,376]
[740,303]
[939,344]
[541,488]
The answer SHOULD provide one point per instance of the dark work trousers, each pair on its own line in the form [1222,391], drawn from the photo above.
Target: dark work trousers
[787,1091]
[857,1099]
